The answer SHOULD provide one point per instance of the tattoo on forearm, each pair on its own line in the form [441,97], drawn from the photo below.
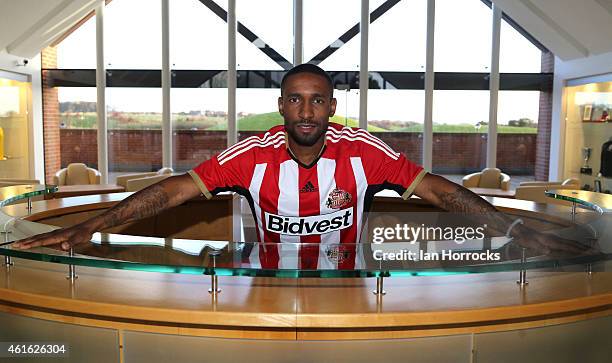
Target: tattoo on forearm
[462,200]
[147,203]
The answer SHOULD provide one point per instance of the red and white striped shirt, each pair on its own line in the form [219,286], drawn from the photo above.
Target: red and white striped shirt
[323,203]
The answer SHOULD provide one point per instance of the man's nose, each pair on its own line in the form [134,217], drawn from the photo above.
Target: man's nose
[306,111]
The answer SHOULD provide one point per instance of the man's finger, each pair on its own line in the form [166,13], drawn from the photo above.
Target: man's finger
[38,241]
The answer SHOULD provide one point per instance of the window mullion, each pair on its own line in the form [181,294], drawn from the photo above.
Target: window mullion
[429,88]
[494,88]
[101,95]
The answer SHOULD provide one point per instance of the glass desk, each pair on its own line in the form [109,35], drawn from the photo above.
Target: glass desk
[598,202]
[575,244]
[19,192]
[311,301]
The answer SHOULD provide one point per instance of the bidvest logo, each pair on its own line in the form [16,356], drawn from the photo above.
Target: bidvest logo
[302,226]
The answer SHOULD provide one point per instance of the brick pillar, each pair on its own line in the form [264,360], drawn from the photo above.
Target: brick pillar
[51,117]
[544,123]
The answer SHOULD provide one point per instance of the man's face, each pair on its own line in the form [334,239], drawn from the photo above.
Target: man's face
[306,106]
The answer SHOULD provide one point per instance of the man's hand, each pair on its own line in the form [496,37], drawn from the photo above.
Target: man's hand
[66,238]
[148,202]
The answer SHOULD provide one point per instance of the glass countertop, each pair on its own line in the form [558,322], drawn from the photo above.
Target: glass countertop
[313,259]
[573,244]
[14,193]
[599,202]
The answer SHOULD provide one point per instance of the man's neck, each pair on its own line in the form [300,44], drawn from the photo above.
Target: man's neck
[306,154]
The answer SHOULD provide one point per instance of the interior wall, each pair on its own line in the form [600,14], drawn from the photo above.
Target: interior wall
[564,71]
[10,63]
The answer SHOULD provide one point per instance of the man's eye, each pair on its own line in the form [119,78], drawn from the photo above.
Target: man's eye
[318,101]
[293,99]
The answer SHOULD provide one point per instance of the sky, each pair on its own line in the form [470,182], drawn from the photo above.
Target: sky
[198,40]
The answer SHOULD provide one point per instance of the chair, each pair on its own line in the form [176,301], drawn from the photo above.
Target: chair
[76,174]
[137,181]
[534,191]
[491,178]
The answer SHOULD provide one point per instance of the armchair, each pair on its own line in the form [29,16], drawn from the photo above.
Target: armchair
[488,178]
[76,174]
[534,191]
[137,181]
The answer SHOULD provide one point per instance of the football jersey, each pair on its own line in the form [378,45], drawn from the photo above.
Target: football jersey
[320,204]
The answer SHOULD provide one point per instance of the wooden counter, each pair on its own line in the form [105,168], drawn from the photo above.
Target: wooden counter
[148,316]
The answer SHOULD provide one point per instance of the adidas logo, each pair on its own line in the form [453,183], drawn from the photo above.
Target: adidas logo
[309,187]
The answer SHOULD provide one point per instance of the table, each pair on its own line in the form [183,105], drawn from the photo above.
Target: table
[598,202]
[65,191]
[115,315]
[491,192]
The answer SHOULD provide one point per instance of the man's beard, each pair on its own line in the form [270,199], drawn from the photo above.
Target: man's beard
[304,140]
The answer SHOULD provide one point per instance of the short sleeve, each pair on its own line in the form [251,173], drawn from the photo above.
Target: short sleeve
[390,169]
[210,176]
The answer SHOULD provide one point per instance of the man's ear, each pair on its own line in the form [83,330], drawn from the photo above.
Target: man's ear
[280,106]
[332,107]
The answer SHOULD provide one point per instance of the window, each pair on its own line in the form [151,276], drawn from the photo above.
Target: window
[460,125]
[516,53]
[134,130]
[517,132]
[264,48]
[132,34]
[396,115]
[462,36]
[189,20]
[78,49]
[78,126]
[199,119]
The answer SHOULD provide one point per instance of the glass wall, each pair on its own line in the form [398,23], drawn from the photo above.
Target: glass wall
[78,126]
[132,34]
[199,115]
[462,36]
[460,126]
[264,49]
[257,108]
[460,117]
[134,130]
[396,115]
[78,49]
[517,133]
[15,105]
[516,53]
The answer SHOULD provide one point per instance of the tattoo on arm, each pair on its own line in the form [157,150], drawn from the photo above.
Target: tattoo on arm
[146,203]
[462,200]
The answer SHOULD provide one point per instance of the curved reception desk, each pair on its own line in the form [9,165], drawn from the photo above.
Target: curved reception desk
[176,288]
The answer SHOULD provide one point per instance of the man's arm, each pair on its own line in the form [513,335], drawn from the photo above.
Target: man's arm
[455,198]
[148,202]
[452,197]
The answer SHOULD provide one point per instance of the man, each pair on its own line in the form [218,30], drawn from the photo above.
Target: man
[306,181]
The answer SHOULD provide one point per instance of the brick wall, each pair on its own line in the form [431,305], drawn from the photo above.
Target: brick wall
[51,118]
[140,150]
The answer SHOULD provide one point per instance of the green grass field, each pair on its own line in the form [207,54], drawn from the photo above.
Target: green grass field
[260,122]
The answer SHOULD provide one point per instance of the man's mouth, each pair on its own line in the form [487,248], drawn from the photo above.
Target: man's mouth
[306,127]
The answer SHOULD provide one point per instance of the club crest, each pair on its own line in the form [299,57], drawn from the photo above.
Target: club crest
[338,199]
[336,255]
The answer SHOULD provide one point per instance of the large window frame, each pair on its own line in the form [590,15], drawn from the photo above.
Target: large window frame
[493,81]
